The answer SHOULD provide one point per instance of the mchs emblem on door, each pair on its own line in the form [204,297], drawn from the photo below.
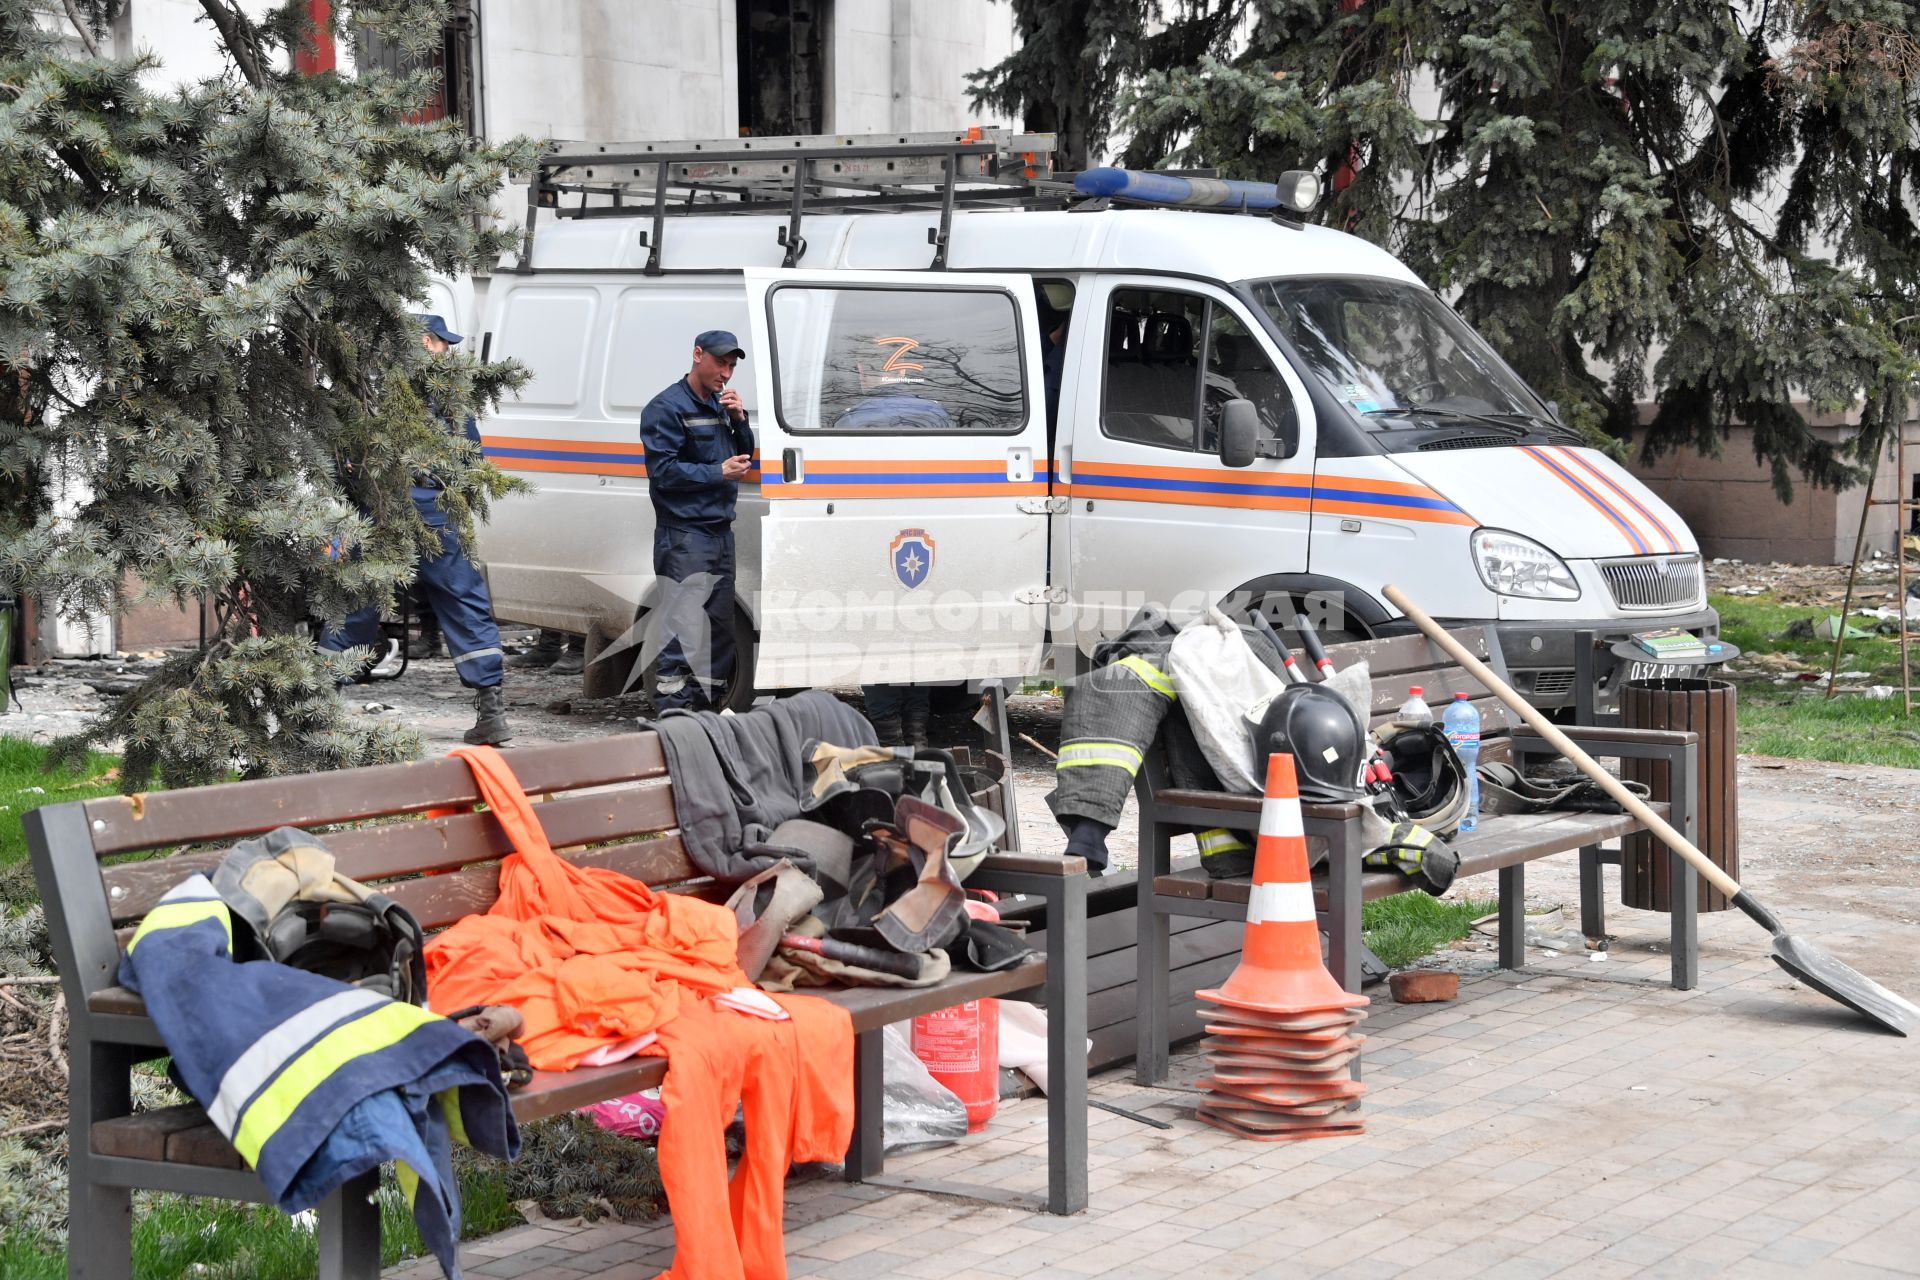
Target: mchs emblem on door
[912,554]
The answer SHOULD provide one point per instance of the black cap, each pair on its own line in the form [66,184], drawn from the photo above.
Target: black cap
[719,342]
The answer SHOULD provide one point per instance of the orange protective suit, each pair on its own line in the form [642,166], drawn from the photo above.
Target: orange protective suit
[590,957]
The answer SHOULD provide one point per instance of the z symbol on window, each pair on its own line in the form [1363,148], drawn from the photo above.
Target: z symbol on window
[898,362]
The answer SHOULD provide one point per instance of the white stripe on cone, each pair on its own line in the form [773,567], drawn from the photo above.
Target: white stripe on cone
[1281,904]
[1280,816]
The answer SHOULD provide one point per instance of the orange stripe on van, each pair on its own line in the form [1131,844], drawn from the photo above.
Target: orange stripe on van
[1559,472]
[1570,455]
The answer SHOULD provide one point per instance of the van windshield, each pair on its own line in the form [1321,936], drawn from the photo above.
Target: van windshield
[1395,355]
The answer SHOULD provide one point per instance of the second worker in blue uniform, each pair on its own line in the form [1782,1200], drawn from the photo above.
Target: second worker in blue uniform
[698,449]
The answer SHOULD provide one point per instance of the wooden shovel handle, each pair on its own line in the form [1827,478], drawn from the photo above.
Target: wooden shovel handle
[1563,744]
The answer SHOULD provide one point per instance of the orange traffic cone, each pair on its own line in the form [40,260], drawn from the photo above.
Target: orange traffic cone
[1280,968]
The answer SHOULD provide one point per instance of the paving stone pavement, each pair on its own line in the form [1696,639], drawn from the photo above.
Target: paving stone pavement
[1571,1119]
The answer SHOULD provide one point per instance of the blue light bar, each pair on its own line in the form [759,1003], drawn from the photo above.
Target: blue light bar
[1163,188]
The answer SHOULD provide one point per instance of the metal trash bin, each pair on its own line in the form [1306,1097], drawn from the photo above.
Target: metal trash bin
[1707,707]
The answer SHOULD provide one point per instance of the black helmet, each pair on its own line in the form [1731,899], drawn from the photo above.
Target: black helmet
[1324,735]
[1429,782]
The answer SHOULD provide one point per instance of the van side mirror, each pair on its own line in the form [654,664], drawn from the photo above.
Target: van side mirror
[1240,441]
[1239,433]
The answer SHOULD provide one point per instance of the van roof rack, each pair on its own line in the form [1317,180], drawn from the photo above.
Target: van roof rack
[794,175]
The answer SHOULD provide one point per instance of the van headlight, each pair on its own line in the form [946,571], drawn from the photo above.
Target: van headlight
[1511,565]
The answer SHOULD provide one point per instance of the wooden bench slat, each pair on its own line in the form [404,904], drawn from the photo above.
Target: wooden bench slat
[426,844]
[122,824]
[144,1136]
[1402,656]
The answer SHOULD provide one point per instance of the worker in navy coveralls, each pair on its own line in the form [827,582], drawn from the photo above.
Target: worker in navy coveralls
[698,449]
[452,586]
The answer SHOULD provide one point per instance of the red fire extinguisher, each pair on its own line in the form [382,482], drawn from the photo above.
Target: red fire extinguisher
[961,1046]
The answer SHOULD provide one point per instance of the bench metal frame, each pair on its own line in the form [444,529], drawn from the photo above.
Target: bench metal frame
[1336,829]
[105,1045]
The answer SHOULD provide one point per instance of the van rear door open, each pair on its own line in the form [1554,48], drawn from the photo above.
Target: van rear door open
[901,421]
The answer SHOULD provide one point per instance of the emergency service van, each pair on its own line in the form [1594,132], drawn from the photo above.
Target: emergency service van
[995,414]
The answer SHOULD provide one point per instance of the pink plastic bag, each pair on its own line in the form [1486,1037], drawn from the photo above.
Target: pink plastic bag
[638,1115]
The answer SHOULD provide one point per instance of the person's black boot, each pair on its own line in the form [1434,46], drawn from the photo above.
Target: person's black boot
[572,660]
[887,729]
[543,654]
[428,644]
[913,728]
[490,718]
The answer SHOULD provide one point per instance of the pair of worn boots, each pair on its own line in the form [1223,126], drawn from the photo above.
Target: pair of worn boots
[555,653]
[908,729]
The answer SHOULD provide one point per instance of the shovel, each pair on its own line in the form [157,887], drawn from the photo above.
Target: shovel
[1806,962]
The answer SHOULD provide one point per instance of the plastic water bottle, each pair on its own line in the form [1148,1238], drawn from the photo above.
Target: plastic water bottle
[1462,723]
[1415,709]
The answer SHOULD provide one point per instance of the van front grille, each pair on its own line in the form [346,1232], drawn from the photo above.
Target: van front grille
[1653,582]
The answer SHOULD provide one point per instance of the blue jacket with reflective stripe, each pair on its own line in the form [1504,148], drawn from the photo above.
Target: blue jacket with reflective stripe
[313,1080]
[686,439]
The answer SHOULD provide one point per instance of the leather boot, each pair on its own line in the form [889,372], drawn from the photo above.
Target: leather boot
[913,728]
[543,653]
[887,730]
[572,660]
[490,718]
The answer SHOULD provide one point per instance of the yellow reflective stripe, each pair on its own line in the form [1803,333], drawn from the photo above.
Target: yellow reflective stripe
[1219,840]
[1117,755]
[1154,678]
[180,915]
[1085,747]
[381,1029]
[450,1108]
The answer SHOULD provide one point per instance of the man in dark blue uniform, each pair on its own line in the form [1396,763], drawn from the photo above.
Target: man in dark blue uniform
[698,448]
[453,588]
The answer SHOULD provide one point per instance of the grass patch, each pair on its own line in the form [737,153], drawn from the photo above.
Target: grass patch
[217,1240]
[1798,719]
[26,783]
[1407,926]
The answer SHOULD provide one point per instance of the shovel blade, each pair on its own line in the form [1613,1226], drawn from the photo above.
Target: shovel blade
[1841,982]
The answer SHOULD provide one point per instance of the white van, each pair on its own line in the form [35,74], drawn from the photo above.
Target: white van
[1248,409]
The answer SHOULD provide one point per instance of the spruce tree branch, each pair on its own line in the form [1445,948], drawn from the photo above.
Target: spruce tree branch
[80,29]
[242,41]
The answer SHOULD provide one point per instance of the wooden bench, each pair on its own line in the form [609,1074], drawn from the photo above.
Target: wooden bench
[610,804]
[1504,843]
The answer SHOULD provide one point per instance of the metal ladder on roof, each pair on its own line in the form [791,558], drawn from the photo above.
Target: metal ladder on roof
[792,176]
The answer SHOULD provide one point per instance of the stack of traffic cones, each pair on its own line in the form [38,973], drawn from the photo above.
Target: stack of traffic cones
[1280,1039]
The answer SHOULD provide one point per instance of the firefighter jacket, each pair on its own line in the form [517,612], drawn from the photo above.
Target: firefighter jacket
[315,1081]
[686,439]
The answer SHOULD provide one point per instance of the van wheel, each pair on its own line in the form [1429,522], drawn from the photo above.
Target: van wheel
[740,692]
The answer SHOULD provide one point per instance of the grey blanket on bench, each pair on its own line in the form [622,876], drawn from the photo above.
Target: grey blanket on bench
[736,778]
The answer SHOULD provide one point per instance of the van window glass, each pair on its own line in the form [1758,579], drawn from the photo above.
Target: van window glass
[1392,352]
[547,329]
[1238,369]
[898,361]
[1153,366]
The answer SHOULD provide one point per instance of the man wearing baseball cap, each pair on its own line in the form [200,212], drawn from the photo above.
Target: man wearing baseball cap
[451,585]
[698,449]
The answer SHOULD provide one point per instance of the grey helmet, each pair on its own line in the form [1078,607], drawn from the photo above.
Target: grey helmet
[1324,735]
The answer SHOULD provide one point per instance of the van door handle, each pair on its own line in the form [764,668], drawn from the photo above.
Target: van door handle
[790,466]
